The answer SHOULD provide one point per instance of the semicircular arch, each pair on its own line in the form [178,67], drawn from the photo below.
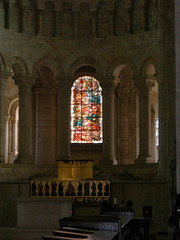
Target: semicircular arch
[146,63]
[121,61]
[85,61]
[19,66]
[51,63]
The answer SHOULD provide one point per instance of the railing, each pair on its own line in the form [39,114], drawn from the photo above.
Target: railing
[86,191]
[136,227]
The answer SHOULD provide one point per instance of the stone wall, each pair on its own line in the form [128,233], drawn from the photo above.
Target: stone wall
[81,36]
[82,19]
[61,57]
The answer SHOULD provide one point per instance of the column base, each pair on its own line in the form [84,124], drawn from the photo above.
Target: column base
[23,160]
[108,161]
[143,160]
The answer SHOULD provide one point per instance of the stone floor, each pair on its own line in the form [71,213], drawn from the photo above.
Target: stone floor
[23,233]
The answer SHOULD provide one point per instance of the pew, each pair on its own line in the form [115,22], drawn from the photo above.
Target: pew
[87,228]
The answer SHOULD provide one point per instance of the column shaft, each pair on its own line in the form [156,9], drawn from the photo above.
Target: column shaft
[24,151]
[2,121]
[124,147]
[145,125]
[40,13]
[108,156]
[144,87]
[3,76]
[64,118]
[46,121]
[162,86]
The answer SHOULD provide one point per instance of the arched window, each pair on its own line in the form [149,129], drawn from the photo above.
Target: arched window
[86,111]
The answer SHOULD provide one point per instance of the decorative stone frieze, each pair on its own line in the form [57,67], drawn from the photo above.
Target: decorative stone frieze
[66,19]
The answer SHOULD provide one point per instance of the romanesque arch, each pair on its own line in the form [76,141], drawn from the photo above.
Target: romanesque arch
[19,66]
[85,61]
[148,61]
[120,62]
[51,63]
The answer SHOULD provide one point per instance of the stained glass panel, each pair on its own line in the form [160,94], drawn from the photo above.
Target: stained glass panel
[86,111]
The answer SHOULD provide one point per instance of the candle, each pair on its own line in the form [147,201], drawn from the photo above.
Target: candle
[115,201]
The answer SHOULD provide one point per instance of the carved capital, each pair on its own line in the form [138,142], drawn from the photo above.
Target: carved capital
[25,82]
[108,85]
[145,85]
[5,75]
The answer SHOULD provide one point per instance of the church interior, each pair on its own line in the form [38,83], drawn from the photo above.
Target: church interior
[89,118]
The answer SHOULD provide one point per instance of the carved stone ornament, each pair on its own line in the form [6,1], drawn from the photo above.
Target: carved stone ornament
[145,85]
[24,83]
[4,75]
[108,86]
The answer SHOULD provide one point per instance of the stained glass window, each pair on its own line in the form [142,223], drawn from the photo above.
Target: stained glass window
[86,111]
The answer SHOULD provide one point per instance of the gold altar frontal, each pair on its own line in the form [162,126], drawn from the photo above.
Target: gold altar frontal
[75,169]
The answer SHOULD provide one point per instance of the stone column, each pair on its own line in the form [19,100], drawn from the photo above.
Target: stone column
[123,95]
[3,76]
[75,18]
[111,24]
[144,21]
[57,33]
[177,38]
[108,156]
[24,84]
[40,16]
[64,119]
[128,23]
[6,138]
[23,19]
[94,24]
[144,87]
[166,88]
